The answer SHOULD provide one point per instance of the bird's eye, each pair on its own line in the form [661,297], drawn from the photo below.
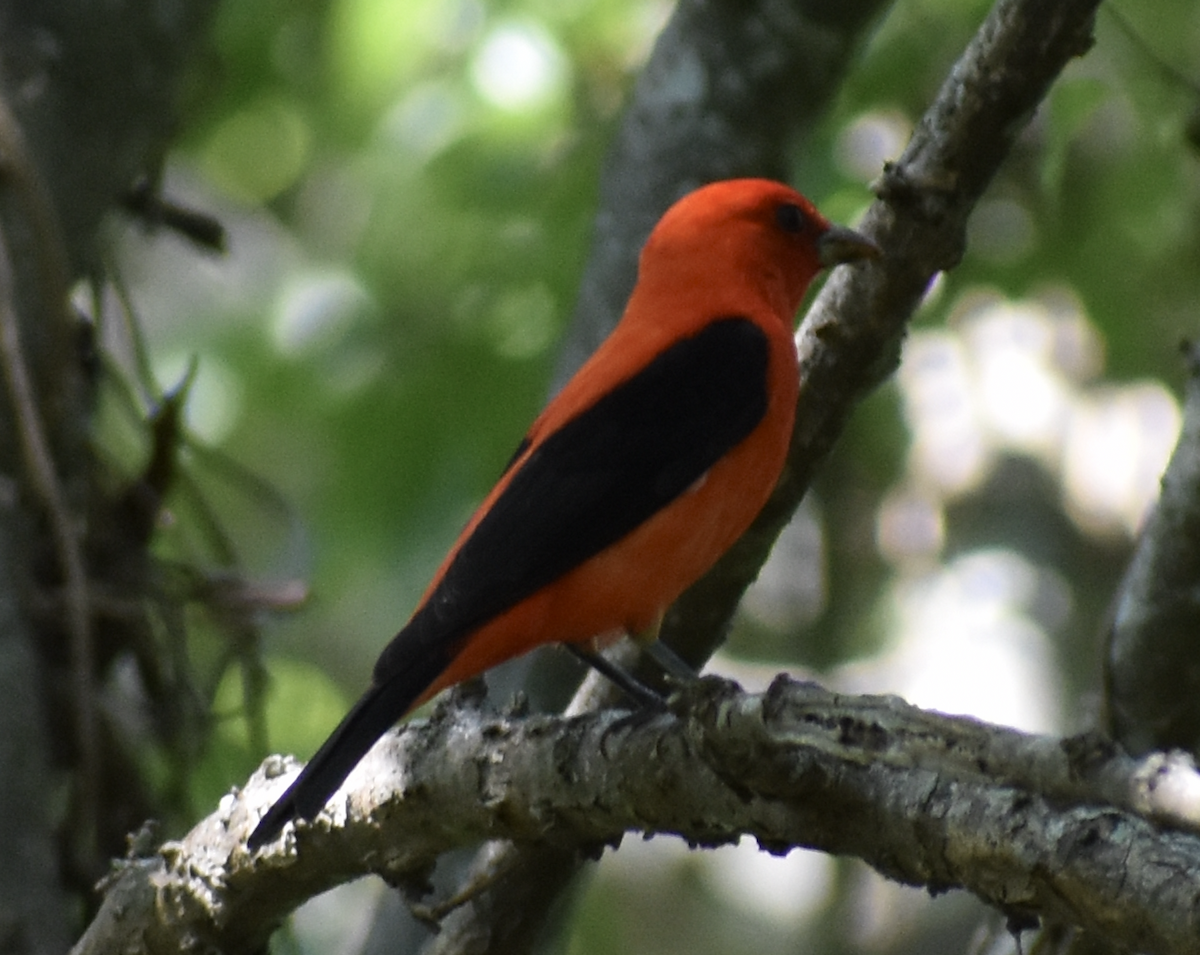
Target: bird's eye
[790,217]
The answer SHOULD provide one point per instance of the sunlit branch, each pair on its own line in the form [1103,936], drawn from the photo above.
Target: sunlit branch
[1024,822]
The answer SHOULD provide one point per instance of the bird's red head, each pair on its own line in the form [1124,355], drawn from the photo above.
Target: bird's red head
[755,234]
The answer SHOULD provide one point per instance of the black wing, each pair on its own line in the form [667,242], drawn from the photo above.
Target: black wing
[602,474]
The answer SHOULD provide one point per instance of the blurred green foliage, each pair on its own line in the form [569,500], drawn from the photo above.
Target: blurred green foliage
[409,186]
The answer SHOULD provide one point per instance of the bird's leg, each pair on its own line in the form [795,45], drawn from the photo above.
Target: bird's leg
[673,665]
[636,691]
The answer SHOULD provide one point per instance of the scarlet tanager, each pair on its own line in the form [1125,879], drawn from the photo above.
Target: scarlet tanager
[645,468]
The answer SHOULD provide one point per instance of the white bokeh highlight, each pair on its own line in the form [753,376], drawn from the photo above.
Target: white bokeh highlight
[519,67]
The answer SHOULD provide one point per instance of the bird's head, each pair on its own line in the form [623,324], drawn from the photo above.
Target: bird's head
[758,233]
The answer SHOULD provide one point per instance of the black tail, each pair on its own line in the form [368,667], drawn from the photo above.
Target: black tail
[373,715]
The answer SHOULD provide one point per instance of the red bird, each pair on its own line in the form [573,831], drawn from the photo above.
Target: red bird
[637,476]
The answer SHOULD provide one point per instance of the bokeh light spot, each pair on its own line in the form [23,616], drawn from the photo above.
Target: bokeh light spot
[1022,397]
[519,67]
[375,45]
[1011,377]
[522,322]
[870,141]
[1118,443]
[967,644]
[316,309]
[259,151]
[427,119]
[784,889]
[910,526]
[947,449]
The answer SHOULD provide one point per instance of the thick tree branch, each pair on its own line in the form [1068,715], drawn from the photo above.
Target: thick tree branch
[1025,822]
[1153,681]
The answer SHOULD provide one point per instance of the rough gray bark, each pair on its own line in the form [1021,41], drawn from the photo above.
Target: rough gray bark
[33,903]
[1034,825]
[1153,670]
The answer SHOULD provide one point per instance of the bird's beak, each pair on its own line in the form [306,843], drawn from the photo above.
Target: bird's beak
[838,245]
